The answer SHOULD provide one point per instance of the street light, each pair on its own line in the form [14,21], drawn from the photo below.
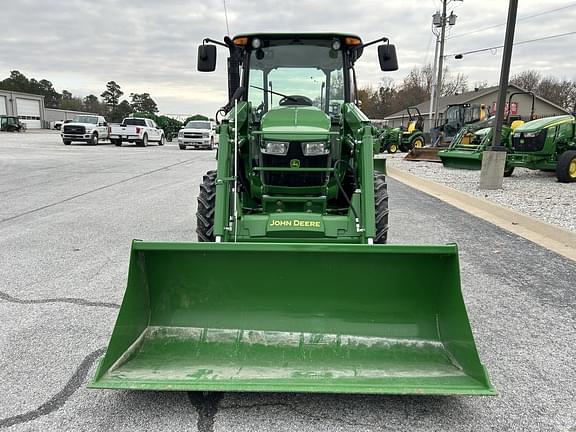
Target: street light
[439,21]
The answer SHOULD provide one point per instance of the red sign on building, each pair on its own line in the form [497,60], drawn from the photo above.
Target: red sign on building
[514,108]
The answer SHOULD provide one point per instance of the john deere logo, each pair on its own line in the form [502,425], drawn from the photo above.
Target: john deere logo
[294,163]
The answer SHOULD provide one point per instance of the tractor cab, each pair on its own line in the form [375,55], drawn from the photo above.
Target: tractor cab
[293,91]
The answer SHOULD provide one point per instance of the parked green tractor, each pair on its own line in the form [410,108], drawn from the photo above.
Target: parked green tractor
[456,117]
[467,147]
[547,144]
[291,288]
[404,138]
[11,124]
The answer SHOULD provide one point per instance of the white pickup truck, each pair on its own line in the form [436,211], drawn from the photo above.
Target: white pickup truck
[137,130]
[85,128]
[197,134]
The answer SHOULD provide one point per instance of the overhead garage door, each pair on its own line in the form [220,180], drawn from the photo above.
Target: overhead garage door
[3,110]
[29,112]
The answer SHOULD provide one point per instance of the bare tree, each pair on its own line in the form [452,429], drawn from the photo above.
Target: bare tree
[528,80]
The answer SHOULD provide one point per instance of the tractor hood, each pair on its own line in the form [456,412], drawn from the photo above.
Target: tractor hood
[539,124]
[296,122]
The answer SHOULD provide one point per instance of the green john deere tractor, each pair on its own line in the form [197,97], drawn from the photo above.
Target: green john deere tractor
[547,144]
[467,147]
[404,138]
[456,117]
[291,287]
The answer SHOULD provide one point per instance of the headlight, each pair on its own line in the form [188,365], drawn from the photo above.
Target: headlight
[315,148]
[205,134]
[275,148]
[180,134]
[530,135]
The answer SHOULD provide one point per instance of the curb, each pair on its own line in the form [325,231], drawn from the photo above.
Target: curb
[551,237]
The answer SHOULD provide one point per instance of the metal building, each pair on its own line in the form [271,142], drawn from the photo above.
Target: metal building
[29,108]
[521,105]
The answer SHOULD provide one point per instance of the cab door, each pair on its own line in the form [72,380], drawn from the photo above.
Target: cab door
[151,130]
[102,127]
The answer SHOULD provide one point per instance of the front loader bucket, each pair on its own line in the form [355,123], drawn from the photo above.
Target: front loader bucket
[426,154]
[293,318]
[461,159]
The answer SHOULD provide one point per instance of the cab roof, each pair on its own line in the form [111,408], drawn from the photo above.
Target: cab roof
[298,35]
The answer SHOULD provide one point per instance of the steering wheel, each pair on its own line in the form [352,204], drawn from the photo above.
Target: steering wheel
[295,100]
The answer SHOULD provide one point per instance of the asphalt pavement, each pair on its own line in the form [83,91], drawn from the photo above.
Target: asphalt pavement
[67,217]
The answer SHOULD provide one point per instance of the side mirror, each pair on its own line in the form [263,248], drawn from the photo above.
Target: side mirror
[207,58]
[387,58]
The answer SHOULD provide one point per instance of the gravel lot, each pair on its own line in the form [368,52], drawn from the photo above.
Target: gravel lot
[67,216]
[534,193]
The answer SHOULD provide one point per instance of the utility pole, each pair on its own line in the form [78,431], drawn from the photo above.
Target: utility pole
[441,57]
[431,109]
[494,160]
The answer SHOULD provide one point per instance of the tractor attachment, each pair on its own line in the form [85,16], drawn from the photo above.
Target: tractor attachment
[293,318]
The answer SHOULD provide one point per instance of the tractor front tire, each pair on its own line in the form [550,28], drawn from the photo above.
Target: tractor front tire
[508,170]
[381,208]
[392,148]
[566,167]
[206,208]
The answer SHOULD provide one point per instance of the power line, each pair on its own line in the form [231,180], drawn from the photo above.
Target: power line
[515,43]
[519,19]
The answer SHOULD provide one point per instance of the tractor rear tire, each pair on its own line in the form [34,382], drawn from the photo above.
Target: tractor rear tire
[417,142]
[566,167]
[381,209]
[206,208]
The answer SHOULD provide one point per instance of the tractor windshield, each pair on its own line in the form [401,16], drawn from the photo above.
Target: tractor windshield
[310,69]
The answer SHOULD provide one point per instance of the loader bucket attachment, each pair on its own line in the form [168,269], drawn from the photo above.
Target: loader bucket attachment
[425,154]
[293,318]
[461,159]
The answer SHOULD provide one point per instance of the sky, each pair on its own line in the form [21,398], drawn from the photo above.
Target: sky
[151,45]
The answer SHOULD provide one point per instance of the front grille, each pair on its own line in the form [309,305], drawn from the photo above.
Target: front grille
[75,130]
[295,179]
[529,144]
[193,135]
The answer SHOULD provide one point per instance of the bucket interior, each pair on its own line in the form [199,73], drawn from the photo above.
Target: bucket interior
[271,317]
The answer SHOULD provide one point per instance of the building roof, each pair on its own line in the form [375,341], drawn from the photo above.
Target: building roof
[18,93]
[462,98]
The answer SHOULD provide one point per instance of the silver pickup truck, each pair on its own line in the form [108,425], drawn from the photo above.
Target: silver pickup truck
[137,130]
